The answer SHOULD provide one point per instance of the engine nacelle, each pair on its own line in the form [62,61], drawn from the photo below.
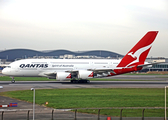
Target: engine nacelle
[63,76]
[83,74]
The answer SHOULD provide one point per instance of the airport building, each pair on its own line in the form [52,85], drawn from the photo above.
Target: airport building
[163,66]
[157,67]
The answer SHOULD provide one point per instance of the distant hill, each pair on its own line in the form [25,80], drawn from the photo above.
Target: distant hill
[25,53]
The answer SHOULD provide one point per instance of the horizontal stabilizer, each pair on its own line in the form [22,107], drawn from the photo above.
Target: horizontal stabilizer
[144,65]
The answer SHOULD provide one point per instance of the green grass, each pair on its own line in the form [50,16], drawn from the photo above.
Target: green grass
[126,112]
[98,98]
[144,74]
[6,78]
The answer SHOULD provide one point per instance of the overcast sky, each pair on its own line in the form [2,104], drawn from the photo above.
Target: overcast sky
[82,25]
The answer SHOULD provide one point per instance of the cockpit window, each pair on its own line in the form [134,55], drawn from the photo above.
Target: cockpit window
[7,66]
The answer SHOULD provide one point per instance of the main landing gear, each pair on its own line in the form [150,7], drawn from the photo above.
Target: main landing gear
[13,80]
[80,81]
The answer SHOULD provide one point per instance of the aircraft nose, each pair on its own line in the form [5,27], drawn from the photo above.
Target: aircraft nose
[4,71]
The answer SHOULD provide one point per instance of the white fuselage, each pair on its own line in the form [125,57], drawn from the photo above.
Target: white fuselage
[40,67]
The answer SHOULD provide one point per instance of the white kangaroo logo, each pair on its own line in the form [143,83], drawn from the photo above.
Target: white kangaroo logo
[132,55]
[137,54]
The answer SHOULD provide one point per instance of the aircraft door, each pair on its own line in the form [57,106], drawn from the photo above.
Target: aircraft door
[110,64]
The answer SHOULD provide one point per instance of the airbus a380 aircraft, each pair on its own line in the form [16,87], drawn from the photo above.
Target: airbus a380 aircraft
[82,69]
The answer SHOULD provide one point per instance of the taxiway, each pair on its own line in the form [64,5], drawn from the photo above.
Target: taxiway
[132,81]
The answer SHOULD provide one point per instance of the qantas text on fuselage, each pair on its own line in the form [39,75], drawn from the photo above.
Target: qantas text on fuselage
[79,69]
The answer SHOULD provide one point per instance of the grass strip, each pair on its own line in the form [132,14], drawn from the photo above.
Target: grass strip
[98,98]
[145,74]
[6,78]
[126,112]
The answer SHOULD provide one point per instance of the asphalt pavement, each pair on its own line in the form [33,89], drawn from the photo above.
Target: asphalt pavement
[42,112]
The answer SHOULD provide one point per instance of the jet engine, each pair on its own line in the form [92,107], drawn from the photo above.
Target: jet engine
[63,76]
[83,74]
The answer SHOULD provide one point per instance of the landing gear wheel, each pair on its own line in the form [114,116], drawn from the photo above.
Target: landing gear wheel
[80,81]
[88,81]
[74,81]
[13,80]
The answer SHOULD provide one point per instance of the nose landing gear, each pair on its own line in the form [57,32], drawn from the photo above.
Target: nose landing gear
[13,80]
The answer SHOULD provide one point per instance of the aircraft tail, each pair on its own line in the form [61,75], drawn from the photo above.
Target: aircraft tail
[137,55]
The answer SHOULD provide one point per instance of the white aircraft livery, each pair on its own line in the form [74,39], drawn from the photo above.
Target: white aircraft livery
[79,70]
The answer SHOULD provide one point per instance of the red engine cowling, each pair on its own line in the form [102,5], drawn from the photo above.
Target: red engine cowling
[63,76]
[83,74]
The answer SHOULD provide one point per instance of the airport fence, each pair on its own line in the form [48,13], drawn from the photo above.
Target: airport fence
[126,113]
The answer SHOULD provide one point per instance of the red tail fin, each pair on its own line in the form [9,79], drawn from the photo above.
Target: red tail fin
[139,52]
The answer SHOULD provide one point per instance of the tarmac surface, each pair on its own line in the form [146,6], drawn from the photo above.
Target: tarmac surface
[129,81]
[42,112]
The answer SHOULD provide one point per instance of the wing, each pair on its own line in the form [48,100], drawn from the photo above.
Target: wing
[102,70]
[75,73]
